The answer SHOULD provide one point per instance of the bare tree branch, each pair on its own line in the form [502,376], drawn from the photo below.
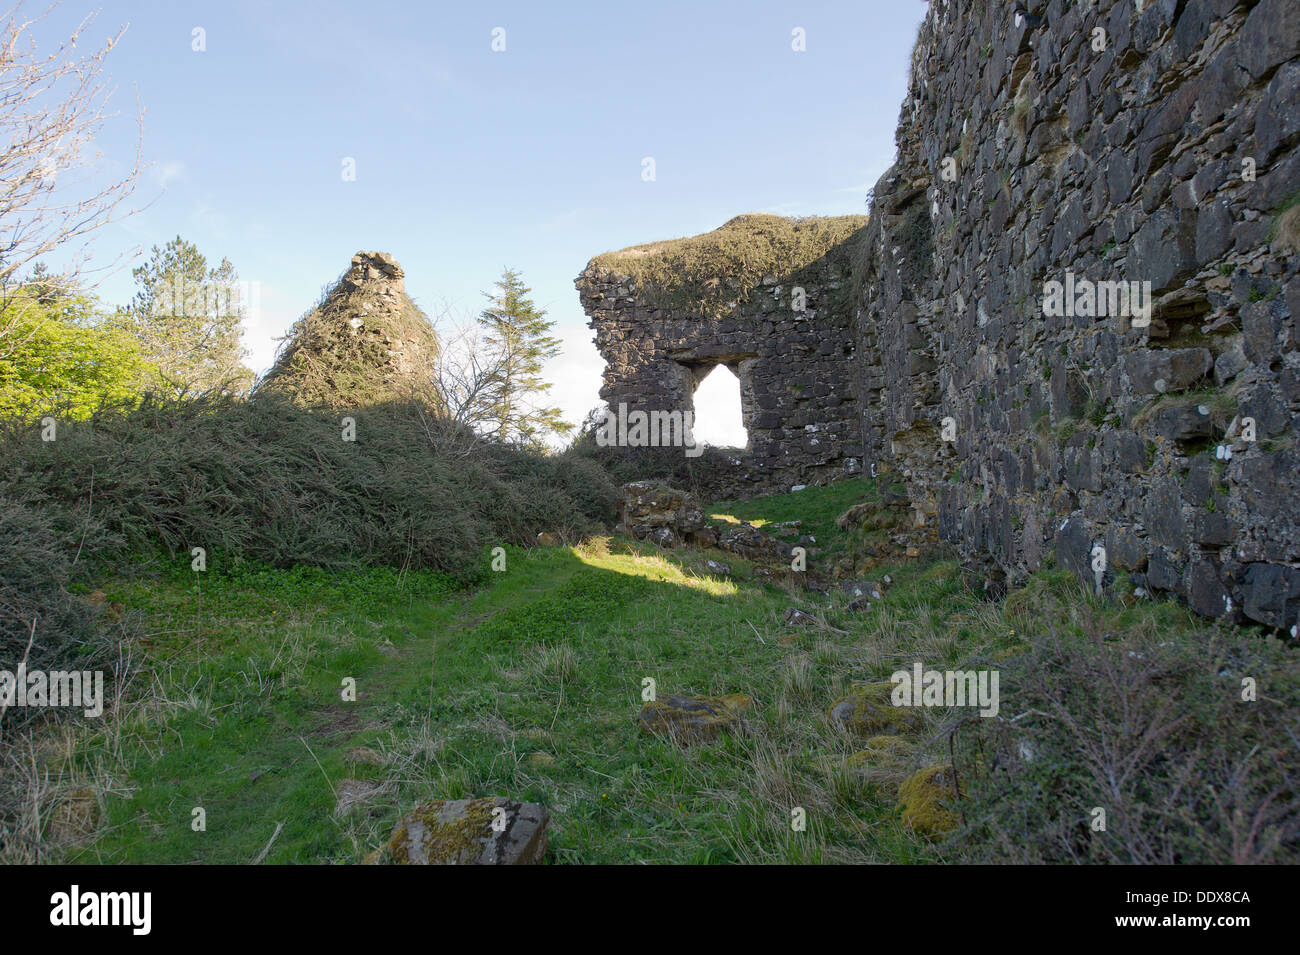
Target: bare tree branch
[53,194]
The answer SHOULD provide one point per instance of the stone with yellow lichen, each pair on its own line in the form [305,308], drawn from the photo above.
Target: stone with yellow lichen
[869,711]
[926,798]
[693,719]
[468,832]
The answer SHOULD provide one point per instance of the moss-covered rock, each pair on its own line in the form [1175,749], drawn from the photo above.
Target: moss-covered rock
[468,832]
[868,711]
[926,798]
[693,719]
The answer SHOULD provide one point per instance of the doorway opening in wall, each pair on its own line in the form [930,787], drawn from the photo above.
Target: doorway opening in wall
[718,418]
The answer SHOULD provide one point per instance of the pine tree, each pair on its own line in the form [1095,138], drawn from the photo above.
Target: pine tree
[518,331]
[186,317]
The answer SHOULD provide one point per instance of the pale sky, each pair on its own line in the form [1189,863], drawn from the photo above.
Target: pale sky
[469,159]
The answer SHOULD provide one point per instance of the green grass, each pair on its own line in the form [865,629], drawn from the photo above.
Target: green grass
[529,687]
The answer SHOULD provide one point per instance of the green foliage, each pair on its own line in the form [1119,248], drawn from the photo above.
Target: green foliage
[268,482]
[707,272]
[62,359]
[519,332]
[186,317]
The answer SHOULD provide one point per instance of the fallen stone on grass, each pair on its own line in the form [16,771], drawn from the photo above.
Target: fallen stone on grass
[717,567]
[468,832]
[694,719]
[868,711]
[926,797]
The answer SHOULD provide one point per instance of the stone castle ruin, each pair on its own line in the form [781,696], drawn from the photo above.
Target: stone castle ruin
[767,297]
[1067,146]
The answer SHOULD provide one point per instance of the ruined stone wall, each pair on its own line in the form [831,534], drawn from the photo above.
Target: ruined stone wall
[793,354]
[1139,141]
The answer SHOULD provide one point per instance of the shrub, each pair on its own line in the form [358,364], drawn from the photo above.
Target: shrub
[1151,728]
[268,482]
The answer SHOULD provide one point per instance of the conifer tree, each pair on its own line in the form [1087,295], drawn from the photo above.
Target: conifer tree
[186,317]
[520,333]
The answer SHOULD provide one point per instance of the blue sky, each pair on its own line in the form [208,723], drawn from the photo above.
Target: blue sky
[468,160]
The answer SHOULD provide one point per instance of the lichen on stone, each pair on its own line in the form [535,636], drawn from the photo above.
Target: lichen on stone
[426,836]
[868,711]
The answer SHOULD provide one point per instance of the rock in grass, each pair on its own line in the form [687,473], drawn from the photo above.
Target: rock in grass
[926,798]
[869,711]
[694,719]
[469,832]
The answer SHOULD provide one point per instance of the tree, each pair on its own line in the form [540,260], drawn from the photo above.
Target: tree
[516,332]
[65,359]
[186,317]
[52,195]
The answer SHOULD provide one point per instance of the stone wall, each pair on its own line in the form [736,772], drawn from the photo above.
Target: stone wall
[1117,140]
[792,351]
[1135,141]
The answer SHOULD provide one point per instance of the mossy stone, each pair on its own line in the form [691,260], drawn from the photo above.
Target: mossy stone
[868,711]
[926,798]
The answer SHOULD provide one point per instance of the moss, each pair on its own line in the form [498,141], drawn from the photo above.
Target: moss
[706,273]
[428,835]
[869,711]
[925,797]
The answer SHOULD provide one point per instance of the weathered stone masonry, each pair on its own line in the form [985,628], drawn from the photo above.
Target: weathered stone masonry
[796,365]
[1115,140]
[1112,142]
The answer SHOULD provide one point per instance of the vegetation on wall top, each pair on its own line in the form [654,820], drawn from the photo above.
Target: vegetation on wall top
[709,272]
